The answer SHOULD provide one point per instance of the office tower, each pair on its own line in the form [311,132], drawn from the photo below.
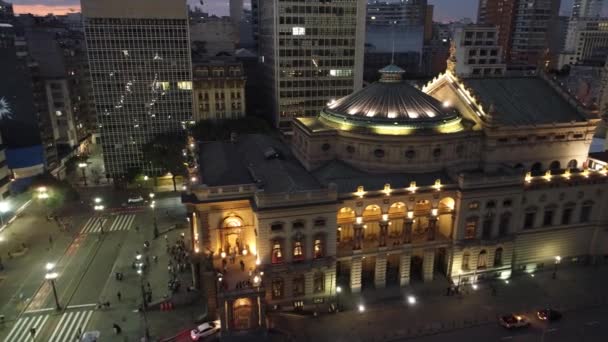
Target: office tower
[475,52]
[428,23]
[236,11]
[6,12]
[524,29]
[586,42]
[587,8]
[141,69]
[412,12]
[312,53]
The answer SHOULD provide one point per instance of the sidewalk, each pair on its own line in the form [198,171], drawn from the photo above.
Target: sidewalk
[389,318]
[161,324]
[16,204]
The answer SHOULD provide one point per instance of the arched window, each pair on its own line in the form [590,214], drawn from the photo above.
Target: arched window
[318,248]
[277,252]
[319,282]
[537,167]
[573,164]
[298,250]
[555,165]
[482,259]
[277,288]
[466,256]
[498,257]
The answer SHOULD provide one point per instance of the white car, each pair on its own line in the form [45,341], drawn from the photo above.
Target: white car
[135,199]
[90,336]
[512,321]
[205,329]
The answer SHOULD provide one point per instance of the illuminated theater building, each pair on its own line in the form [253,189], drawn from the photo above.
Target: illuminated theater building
[466,179]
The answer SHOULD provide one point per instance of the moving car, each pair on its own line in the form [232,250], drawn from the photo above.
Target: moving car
[513,321]
[548,314]
[205,329]
[135,199]
[90,336]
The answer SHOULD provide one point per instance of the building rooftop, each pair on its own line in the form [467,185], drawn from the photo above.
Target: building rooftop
[253,158]
[348,178]
[522,100]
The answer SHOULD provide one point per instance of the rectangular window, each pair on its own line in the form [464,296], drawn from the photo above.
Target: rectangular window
[486,229]
[184,85]
[585,213]
[319,223]
[548,217]
[298,286]
[298,31]
[503,225]
[567,215]
[471,228]
[529,220]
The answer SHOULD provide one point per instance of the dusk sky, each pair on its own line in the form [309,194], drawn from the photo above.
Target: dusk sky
[445,10]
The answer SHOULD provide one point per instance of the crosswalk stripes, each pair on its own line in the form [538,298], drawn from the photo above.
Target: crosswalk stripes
[122,222]
[93,225]
[21,329]
[70,325]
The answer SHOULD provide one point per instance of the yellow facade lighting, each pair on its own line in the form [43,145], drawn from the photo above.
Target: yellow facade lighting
[387,189]
[360,191]
[412,187]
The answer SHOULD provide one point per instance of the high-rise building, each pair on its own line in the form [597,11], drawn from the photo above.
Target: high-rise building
[524,29]
[475,52]
[141,70]
[6,11]
[4,173]
[587,8]
[411,12]
[236,11]
[586,42]
[312,53]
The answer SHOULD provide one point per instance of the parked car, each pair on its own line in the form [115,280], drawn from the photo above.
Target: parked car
[90,336]
[205,329]
[548,314]
[513,321]
[135,199]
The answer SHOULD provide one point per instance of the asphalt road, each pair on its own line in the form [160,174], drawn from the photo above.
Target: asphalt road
[590,325]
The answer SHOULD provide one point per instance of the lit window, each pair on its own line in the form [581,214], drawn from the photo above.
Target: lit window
[318,248]
[277,253]
[471,228]
[341,72]
[164,85]
[298,31]
[298,252]
[482,260]
[277,288]
[184,85]
[319,282]
[474,205]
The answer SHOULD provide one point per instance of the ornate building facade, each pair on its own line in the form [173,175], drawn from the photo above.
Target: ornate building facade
[465,180]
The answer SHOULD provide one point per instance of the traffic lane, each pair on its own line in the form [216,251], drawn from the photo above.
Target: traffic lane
[585,325]
[99,270]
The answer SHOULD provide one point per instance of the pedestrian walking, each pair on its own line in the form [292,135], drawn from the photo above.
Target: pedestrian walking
[117,329]
[119,296]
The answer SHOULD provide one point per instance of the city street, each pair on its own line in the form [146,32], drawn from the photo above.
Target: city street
[85,259]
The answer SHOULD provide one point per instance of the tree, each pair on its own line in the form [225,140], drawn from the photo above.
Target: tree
[165,153]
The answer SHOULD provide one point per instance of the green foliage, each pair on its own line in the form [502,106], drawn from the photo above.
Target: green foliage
[134,174]
[165,153]
[72,164]
[59,191]
[208,130]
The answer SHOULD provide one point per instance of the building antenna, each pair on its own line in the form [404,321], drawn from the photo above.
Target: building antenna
[393,51]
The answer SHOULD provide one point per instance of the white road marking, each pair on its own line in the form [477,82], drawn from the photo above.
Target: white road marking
[21,329]
[81,306]
[70,324]
[93,225]
[39,310]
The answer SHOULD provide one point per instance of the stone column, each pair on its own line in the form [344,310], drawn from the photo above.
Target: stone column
[407,230]
[380,272]
[355,275]
[432,231]
[404,268]
[452,230]
[358,236]
[428,265]
[383,233]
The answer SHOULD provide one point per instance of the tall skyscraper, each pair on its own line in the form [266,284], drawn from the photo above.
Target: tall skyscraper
[236,11]
[141,70]
[587,8]
[312,53]
[524,28]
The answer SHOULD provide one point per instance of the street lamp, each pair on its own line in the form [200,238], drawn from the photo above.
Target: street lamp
[42,192]
[558,259]
[83,167]
[4,208]
[411,300]
[361,308]
[338,291]
[51,275]
[140,271]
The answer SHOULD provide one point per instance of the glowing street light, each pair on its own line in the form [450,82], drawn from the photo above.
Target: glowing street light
[97,200]
[361,308]
[51,275]
[474,286]
[558,260]
[411,300]
[4,208]
[151,195]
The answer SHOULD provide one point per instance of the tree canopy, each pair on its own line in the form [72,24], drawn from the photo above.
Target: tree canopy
[165,153]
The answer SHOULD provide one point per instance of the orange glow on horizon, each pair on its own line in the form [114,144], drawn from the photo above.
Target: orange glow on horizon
[43,10]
